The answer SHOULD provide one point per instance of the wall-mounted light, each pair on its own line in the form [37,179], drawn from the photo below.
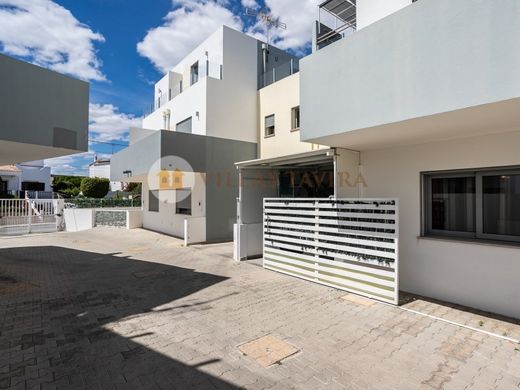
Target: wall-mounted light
[127,173]
[197,114]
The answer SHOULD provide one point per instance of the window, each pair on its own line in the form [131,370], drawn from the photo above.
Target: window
[184,126]
[269,125]
[194,73]
[479,204]
[32,186]
[183,202]
[295,118]
[153,201]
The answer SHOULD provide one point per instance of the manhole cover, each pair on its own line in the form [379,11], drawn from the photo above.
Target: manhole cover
[268,350]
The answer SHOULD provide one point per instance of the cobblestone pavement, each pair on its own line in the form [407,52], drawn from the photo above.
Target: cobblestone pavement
[117,309]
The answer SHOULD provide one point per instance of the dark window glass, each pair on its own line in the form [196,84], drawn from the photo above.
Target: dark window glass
[194,73]
[153,201]
[501,205]
[185,126]
[295,118]
[453,204]
[183,202]
[269,125]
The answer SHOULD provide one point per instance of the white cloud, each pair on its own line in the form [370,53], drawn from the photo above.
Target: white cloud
[76,164]
[107,124]
[299,15]
[183,29]
[50,36]
[250,4]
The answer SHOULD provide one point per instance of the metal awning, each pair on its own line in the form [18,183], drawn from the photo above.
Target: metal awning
[344,10]
[316,157]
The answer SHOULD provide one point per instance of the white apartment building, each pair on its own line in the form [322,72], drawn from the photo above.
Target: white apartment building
[43,114]
[100,167]
[30,176]
[202,120]
[427,98]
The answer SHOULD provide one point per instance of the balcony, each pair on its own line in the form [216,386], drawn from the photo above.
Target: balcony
[433,70]
[43,114]
[206,69]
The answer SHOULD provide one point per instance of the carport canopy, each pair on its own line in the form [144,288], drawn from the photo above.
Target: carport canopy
[315,157]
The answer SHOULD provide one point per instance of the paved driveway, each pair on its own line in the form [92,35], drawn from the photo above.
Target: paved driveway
[117,309]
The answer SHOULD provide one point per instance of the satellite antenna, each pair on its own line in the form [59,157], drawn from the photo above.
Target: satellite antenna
[268,19]
[270,22]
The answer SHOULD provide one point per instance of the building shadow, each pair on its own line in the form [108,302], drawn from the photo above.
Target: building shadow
[60,309]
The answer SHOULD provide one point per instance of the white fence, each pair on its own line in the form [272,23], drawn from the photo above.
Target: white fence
[22,216]
[350,244]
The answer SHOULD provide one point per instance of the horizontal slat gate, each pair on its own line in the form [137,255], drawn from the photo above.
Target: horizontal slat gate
[350,244]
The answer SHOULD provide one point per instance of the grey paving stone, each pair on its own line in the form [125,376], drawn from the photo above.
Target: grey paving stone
[88,323]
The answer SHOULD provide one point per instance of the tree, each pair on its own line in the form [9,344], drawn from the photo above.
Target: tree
[95,187]
[133,188]
[68,186]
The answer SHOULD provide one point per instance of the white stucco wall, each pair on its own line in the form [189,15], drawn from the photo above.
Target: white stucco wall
[232,101]
[36,173]
[279,98]
[181,107]
[224,108]
[166,220]
[103,171]
[479,275]
[370,11]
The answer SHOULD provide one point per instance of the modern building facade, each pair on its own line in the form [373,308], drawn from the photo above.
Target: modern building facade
[43,114]
[100,167]
[30,176]
[428,97]
[202,120]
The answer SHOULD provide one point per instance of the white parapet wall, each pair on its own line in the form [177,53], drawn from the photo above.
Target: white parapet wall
[84,219]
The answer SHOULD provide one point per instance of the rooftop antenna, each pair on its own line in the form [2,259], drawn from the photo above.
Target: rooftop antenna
[270,22]
[268,19]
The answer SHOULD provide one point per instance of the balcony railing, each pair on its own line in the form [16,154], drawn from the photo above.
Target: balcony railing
[206,69]
[278,73]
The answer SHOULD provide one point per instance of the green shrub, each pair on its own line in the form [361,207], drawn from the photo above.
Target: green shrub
[95,187]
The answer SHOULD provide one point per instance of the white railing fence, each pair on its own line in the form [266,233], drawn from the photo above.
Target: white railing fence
[350,244]
[22,216]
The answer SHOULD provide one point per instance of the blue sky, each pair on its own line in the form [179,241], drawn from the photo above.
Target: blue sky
[123,46]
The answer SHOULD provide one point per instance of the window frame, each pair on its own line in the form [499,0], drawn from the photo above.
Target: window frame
[293,118]
[478,174]
[190,197]
[194,76]
[150,195]
[274,126]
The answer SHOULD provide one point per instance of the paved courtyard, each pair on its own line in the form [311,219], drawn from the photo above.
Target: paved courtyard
[117,309]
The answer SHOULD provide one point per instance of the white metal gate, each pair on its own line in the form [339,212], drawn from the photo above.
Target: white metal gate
[22,216]
[350,244]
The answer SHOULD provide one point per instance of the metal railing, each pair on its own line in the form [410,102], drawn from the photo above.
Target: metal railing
[278,73]
[21,216]
[206,69]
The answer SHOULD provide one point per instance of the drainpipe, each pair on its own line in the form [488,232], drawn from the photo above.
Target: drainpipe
[264,58]
[335,168]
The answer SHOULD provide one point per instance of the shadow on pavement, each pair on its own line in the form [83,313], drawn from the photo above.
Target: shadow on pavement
[58,309]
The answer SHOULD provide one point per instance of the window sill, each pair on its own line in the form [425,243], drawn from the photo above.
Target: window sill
[295,129]
[269,136]
[473,241]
